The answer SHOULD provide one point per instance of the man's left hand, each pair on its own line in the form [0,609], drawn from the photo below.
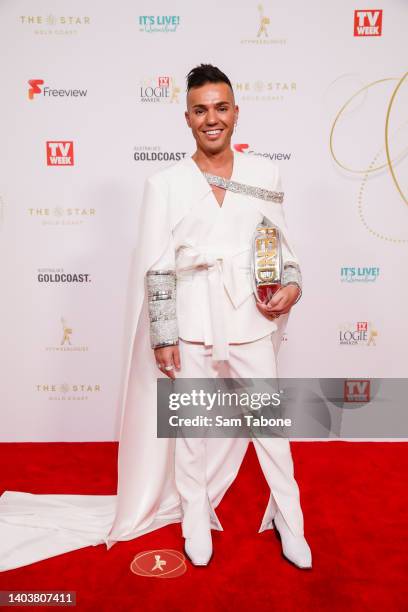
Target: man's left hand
[280,303]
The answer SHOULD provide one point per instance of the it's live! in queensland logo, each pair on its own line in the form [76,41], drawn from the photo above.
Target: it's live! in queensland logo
[158,23]
[359,274]
[60,152]
[368,22]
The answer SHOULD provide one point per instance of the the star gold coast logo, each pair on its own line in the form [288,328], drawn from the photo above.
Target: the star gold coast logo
[159,89]
[66,343]
[360,120]
[164,563]
[61,216]
[263,34]
[358,334]
[68,392]
[59,25]
[264,90]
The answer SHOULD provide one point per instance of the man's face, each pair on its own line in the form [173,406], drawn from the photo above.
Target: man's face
[211,113]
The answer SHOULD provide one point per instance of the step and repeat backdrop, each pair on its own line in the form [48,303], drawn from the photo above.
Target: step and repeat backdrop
[93,100]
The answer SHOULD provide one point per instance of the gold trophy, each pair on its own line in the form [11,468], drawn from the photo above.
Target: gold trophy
[266,262]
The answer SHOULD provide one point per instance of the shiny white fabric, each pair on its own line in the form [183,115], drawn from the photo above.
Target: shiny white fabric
[35,527]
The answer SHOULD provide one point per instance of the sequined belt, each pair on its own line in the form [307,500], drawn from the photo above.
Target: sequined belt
[223,272]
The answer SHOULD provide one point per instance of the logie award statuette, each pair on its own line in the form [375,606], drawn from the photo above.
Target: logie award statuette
[266,262]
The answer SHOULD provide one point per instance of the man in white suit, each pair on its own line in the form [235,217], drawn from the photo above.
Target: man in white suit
[193,248]
[210,324]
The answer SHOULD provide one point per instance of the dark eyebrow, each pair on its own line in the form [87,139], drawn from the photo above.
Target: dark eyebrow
[204,105]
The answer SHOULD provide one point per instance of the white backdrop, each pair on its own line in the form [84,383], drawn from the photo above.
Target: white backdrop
[299,70]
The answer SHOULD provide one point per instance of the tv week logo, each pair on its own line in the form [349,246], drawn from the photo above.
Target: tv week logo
[356,390]
[368,22]
[60,153]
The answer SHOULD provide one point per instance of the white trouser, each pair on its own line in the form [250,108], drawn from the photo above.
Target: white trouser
[249,360]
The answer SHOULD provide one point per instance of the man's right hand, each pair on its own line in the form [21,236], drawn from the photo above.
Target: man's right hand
[168,357]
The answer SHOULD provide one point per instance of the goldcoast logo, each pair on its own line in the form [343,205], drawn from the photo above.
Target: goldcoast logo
[154,153]
[375,115]
[165,563]
[57,276]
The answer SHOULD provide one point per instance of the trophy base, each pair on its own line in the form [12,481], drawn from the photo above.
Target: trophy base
[266,292]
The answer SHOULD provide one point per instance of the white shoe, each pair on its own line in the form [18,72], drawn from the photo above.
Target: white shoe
[199,548]
[294,547]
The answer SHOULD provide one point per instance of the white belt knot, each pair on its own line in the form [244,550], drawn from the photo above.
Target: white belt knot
[223,271]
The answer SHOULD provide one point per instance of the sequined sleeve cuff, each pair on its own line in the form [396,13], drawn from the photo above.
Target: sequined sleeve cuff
[292,276]
[161,291]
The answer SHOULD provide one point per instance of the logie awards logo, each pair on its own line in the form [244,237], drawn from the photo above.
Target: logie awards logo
[159,89]
[361,333]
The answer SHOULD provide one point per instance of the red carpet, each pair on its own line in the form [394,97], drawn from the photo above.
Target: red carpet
[354,500]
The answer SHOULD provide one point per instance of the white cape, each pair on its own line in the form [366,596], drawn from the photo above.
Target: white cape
[36,527]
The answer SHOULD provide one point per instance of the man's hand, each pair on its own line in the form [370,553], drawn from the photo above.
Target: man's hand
[168,357]
[280,303]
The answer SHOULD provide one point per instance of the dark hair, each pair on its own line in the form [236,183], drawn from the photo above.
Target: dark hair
[206,73]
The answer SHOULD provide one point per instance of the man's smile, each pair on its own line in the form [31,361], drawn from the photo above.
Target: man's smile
[213,133]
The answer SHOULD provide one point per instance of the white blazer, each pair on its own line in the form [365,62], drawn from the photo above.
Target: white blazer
[210,251]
